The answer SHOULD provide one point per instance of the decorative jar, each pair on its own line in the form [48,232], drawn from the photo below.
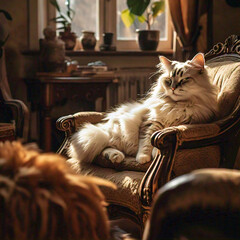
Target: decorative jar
[88,40]
[68,37]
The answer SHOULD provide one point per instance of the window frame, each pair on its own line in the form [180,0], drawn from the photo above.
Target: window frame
[131,45]
[107,22]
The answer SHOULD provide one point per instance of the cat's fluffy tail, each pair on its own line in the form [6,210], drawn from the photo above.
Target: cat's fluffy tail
[88,142]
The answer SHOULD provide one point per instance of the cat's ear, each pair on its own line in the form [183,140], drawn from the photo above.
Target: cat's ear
[198,60]
[166,62]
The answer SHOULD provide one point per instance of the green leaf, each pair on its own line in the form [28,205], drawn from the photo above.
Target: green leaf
[62,22]
[137,7]
[68,4]
[141,19]
[61,18]
[56,5]
[57,18]
[6,14]
[73,13]
[127,17]
[66,17]
[69,14]
[68,8]
[158,7]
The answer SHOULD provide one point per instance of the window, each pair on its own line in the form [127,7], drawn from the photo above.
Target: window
[124,33]
[104,16]
[86,15]
[126,37]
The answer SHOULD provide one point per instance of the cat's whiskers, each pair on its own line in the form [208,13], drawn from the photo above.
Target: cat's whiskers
[154,74]
[162,95]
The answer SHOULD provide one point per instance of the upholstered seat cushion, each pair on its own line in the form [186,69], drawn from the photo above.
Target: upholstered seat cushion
[127,183]
[129,164]
[186,160]
[128,174]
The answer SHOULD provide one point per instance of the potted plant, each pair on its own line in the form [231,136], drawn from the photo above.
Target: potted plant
[65,19]
[144,11]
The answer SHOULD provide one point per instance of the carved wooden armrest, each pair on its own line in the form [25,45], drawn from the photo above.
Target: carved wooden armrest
[21,116]
[69,125]
[168,141]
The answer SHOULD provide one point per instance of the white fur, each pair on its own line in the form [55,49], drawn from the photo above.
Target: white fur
[113,155]
[88,142]
[192,102]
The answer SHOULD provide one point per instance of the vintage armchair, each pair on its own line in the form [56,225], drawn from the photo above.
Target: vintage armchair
[181,149]
[200,205]
[12,111]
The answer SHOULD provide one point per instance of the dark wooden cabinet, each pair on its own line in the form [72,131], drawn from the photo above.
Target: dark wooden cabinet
[53,97]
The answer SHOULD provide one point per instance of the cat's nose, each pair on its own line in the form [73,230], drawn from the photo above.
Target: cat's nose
[173,88]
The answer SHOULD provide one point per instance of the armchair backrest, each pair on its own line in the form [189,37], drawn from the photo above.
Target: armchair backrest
[224,71]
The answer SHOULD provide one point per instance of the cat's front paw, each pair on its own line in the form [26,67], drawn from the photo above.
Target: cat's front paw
[143,158]
[114,155]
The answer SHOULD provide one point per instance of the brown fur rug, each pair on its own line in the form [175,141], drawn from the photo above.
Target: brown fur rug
[41,198]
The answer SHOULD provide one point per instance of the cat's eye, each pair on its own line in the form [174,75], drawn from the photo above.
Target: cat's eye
[168,82]
[184,80]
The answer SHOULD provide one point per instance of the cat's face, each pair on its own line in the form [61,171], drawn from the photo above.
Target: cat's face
[180,84]
[181,80]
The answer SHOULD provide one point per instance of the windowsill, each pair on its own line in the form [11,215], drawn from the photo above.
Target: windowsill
[106,53]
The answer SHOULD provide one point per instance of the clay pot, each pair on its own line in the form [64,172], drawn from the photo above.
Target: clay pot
[148,39]
[88,40]
[69,38]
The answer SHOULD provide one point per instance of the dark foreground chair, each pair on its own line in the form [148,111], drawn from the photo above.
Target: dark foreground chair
[14,114]
[181,149]
[201,205]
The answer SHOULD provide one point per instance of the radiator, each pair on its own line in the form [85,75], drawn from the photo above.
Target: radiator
[133,83]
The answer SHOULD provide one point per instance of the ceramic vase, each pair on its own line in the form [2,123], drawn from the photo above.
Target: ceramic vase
[69,38]
[88,40]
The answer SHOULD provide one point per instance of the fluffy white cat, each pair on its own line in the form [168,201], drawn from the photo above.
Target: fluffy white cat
[183,94]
